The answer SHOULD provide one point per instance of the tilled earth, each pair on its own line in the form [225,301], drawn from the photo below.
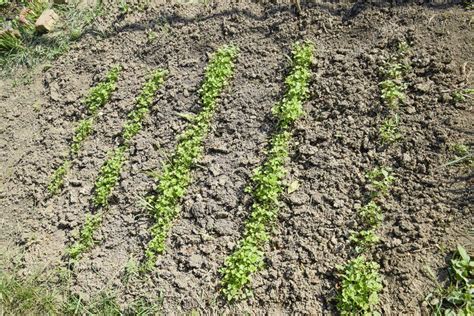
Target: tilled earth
[335,144]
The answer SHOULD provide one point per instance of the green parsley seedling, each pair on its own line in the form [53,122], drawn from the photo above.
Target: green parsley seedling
[360,285]
[176,175]
[98,96]
[267,183]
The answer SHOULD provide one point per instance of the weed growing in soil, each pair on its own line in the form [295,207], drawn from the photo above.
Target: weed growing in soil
[131,270]
[371,214]
[380,179]
[176,174]
[461,95]
[86,236]
[458,297]
[460,150]
[25,297]
[267,181]
[57,180]
[47,292]
[360,285]
[364,239]
[389,130]
[463,154]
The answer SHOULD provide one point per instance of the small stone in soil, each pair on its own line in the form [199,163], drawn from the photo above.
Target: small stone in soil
[46,22]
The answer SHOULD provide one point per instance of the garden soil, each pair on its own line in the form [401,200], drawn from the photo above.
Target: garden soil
[428,211]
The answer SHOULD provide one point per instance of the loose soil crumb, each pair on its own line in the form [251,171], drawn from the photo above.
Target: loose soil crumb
[336,143]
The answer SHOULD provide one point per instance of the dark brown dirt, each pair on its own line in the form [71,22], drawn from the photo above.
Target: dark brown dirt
[429,208]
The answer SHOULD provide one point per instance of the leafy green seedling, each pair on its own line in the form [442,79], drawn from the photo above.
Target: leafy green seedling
[364,239]
[124,7]
[403,47]
[371,214]
[395,71]
[86,236]
[151,36]
[267,184]
[392,93]
[57,179]
[109,173]
[458,296]
[108,177]
[460,150]
[380,179]
[82,132]
[143,103]
[461,95]
[360,285]
[96,98]
[389,131]
[100,94]
[176,175]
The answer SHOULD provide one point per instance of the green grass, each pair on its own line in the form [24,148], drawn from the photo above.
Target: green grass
[360,284]
[176,175]
[10,41]
[97,97]
[34,49]
[457,297]
[267,182]
[104,304]
[48,292]
[26,296]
